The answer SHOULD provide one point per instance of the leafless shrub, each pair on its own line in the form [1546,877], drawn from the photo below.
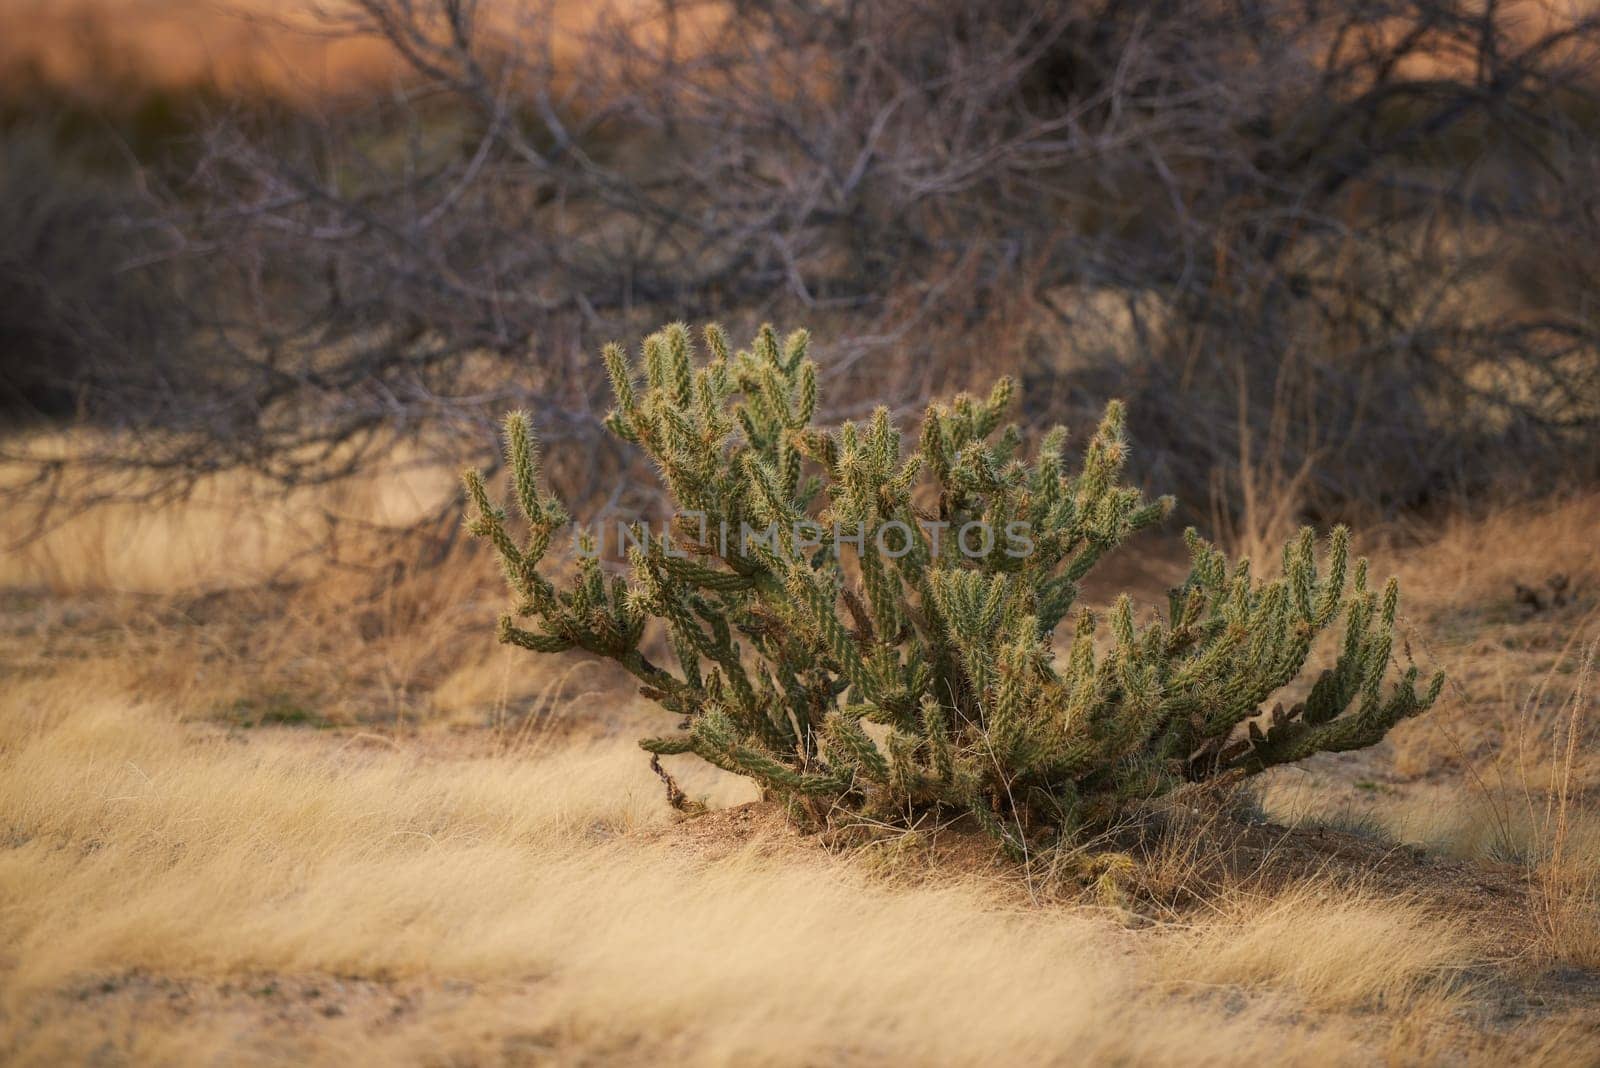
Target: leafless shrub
[1355,242]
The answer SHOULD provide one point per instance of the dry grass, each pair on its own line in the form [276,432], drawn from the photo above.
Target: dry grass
[1503,772]
[232,530]
[1567,876]
[462,873]
[267,599]
[1336,949]
[139,844]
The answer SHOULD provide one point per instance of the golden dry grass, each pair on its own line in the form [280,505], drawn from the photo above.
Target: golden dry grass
[476,866]
[232,530]
[1503,772]
[139,844]
[1336,949]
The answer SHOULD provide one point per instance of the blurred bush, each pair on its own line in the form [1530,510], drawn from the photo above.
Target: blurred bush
[1340,255]
[86,313]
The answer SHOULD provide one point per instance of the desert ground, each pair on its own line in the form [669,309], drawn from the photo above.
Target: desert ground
[271,792]
[255,814]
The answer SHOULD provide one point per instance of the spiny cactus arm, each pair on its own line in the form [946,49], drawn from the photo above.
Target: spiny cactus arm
[987,416]
[490,523]
[1193,606]
[692,572]
[970,605]
[744,704]
[833,640]
[511,634]
[1103,460]
[1260,666]
[1296,739]
[672,692]
[716,739]
[680,416]
[522,456]
[1359,660]
[993,824]
[932,445]
[955,449]
[668,745]
[680,372]
[770,771]
[1142,711]
[1055,598]
[773,505]
[583,616]
[913,784]
[885,594]
[1331,591]
[657,595]
[1257,638]
[683,647]
[1072,710]
[1017,676]
[853,747]
[625,420]
[871,489]
[1321,723]
[778,391]
[1200,680]
[935,730]
[1085,516]
[661,594]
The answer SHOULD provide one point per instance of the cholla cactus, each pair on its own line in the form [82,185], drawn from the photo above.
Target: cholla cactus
[867,631]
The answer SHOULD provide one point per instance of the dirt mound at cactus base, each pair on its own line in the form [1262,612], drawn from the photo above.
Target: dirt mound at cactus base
[1261,855]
